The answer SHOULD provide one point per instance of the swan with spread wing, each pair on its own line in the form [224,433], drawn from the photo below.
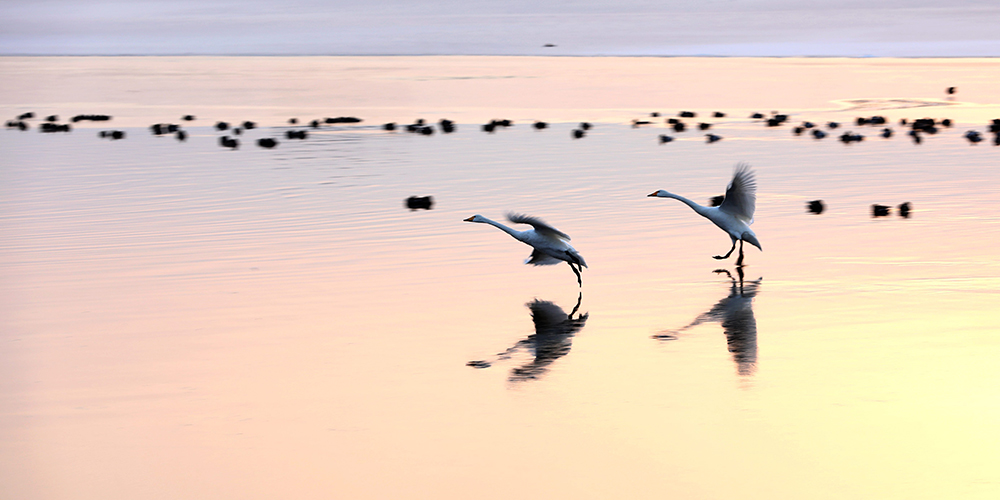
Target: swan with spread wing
[551,246]
[735,214]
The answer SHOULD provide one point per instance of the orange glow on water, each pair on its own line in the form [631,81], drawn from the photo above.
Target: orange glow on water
[181,321]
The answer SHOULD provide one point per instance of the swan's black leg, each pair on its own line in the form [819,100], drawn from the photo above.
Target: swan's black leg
[739,261]
[579,299]
[730,252]
[578,278]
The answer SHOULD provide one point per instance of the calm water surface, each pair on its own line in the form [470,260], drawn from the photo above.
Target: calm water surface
[182,321]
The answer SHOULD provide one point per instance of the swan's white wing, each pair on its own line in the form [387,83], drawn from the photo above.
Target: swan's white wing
[540,227]
[538,258]
[741,194]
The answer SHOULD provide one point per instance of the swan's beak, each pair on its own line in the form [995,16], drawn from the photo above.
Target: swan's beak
[469,219]
[654,193]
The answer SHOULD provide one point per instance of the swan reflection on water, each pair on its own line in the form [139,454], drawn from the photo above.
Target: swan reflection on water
[553,338]
[735,312]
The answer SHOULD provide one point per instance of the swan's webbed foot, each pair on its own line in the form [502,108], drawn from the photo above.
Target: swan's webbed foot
[730,252]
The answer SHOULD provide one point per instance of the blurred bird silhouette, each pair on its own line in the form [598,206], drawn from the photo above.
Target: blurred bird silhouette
[735,313]
[553,338]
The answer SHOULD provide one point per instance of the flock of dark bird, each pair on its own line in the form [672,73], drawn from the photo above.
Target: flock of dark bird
[731,215]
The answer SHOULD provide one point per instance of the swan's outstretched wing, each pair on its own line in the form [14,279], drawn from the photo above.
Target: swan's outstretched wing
[540,227]
[541,259]
[741,194]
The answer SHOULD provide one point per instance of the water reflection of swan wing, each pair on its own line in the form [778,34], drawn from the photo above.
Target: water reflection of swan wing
[553,339]
[735,313]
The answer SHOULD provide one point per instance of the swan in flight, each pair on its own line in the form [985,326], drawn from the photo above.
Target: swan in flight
[551,245]
[735,214]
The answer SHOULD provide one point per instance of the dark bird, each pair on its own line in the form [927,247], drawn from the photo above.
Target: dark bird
[26,116]
[248,125]
[181,135]
[389,126]
[849,137]
[815,207]
[819,134]
[112,134]
[636,123]
[447,126]
[419,202]
[710,138]
[585,125]
[540,125]
[687,114]
[719,114]
[973,137]
[578,133]
[343,119]
[221,126]
[756,116]
[49,127]
[704,126]
[293,121]
[229,142]
[916,136]
[296,134]
[880,210]
[776,120]
[679,127]
[92,118]
[951,90]
[886,133]
[904,210]
[832,124]
[665,139]
[188,118]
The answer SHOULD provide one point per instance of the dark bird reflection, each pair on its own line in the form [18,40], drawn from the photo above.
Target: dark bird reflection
[735,312]
[553,338]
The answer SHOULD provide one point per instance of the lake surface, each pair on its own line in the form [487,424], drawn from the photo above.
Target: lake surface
[180,320]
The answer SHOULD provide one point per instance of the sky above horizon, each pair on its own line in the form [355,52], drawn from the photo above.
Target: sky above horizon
[892,28]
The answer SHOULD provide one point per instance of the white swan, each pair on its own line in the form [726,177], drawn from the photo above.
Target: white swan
[735,214]
[551,245]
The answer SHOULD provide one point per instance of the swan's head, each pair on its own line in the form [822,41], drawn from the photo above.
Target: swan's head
[661,193]
[476,218]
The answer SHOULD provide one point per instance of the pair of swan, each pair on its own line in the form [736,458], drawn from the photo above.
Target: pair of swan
[734,216]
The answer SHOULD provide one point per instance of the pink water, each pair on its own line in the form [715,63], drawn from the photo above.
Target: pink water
[183,321]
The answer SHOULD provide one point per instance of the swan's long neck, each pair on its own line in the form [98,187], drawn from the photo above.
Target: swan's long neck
[509,230]
[701,209]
